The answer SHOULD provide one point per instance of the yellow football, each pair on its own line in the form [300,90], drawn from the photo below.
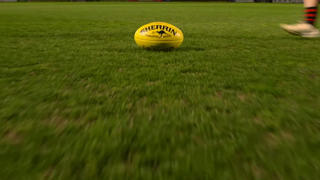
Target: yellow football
[158,36]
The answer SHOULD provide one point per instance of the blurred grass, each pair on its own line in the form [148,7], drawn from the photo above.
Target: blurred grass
[79,100]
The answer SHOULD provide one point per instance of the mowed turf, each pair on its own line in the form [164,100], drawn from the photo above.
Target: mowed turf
[239,100]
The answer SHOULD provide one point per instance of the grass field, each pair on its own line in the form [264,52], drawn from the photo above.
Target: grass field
[239,100]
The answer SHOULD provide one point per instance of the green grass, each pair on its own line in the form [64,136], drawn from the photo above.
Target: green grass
[239,100]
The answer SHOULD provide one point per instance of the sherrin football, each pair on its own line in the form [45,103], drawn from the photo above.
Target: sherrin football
[158,36]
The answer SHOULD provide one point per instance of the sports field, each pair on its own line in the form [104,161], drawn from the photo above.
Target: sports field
[239,100]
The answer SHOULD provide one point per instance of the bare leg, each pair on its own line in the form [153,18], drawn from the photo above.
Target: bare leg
[310,3]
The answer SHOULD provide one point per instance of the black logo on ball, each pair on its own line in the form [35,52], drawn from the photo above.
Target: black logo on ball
[162,32]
